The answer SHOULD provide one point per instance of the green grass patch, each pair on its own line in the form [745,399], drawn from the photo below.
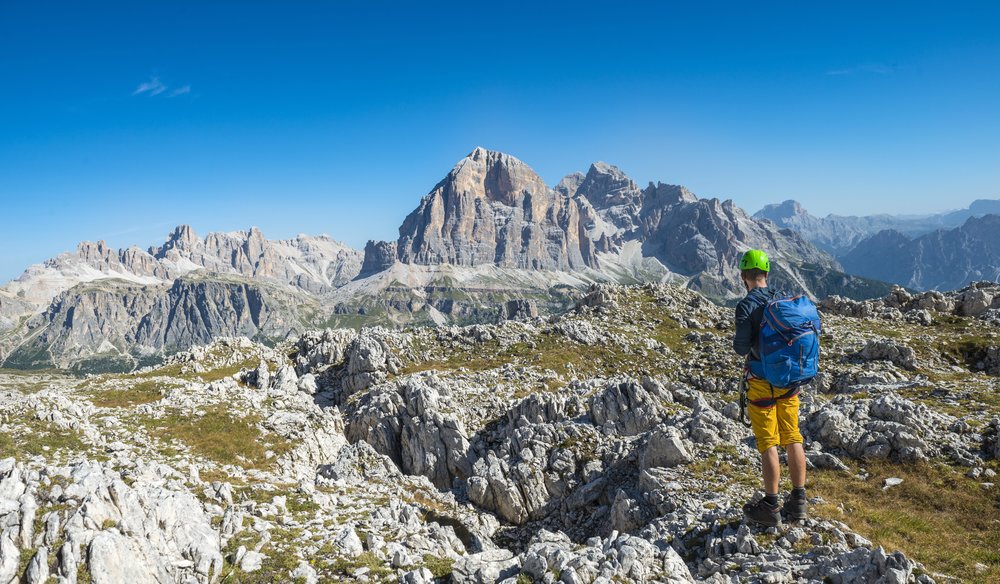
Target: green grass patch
[726,464]
[228,371]
[33,437]
[439,567]
[975,402]
[378,570]
[300,503]
[176,370]
[143,392]
[219,436]
[276,567]
[970,349]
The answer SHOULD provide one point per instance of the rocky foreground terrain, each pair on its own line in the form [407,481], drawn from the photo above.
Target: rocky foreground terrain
[598,445]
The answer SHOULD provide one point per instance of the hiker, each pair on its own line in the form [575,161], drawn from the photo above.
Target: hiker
[772,385]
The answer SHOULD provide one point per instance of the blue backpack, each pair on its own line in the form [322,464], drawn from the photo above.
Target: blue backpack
[789,341]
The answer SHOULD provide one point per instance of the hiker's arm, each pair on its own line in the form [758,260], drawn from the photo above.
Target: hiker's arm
[743,339]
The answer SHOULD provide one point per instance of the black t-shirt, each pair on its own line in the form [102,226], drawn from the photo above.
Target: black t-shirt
[749,315]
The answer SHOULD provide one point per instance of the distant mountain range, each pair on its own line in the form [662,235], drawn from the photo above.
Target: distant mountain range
[490,238]
[944,259]
[941,251]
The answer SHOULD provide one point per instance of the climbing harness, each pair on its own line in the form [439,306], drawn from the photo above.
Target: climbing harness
[766,402]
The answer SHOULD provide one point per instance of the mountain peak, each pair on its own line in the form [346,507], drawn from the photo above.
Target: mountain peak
[493,209]
[606,185]
[182,238]
[601,167]
[493,175]
[480,154]
[784,210]
[570,184]
[664,195]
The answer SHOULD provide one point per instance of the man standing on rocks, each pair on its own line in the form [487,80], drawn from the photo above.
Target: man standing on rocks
[774,411]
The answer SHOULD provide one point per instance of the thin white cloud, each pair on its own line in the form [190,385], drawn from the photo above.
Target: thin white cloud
[871,68]
[152,87]
[878,68]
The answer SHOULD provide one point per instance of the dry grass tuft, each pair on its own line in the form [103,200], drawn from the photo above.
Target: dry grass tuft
[938,516]
[220,436]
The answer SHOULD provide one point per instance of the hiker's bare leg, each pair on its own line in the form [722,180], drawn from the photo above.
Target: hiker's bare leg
[796,464]
[772,470]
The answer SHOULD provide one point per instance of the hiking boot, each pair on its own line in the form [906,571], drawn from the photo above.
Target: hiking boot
[762,514]
[794,508]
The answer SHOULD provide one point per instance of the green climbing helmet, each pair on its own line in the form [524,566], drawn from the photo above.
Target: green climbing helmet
[755,258]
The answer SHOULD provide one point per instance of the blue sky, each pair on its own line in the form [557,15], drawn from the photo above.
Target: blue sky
[121,120]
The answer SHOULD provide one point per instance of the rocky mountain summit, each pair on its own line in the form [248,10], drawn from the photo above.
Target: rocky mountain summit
[493,209]
[598,445]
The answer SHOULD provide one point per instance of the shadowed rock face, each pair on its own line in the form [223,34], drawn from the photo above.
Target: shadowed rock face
[379,255]
[120,305]
[708,236]
[606,186]
[114,325]
[493,209]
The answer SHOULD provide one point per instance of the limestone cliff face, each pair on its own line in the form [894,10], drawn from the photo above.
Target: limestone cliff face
[313,264]
[119,305]
[493,209]
[112,323]
[613,201]
[379,256]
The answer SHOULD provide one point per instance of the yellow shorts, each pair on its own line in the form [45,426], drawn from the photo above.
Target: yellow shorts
[775,425]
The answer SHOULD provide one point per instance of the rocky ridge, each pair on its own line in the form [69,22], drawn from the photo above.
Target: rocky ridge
[310,264]
[597,445]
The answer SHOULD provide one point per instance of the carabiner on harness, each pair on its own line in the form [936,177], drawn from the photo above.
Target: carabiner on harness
[744,400]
